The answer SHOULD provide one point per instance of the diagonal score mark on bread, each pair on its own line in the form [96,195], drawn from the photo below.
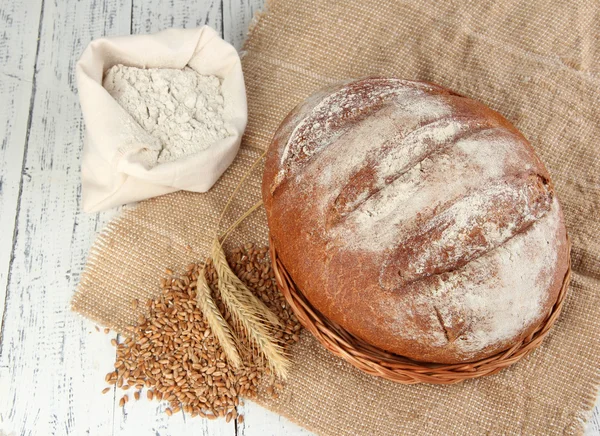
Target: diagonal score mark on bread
[478,222]
[331,116]
[399,155]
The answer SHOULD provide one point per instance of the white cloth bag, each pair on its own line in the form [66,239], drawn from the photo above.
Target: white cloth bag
[116,168]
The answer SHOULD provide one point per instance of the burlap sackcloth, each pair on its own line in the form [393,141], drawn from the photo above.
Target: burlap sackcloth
[535,61]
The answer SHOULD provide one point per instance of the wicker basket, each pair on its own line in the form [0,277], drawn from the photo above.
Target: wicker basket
[397,368]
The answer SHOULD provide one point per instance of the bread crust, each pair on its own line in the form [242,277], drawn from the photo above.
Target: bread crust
[419,220]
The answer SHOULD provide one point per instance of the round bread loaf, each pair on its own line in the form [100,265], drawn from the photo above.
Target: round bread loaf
[419,220]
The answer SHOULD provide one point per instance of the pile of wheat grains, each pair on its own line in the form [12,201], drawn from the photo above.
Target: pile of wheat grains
[174,355]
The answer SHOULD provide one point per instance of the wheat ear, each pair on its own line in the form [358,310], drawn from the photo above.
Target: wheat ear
[249,312]
[215,320]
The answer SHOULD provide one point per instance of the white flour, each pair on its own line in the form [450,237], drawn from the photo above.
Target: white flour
[182,109]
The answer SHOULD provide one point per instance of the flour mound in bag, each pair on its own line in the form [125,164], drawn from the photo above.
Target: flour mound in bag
[417,219]
[181,109]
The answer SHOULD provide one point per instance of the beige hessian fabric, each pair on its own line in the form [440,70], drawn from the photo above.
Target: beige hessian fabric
[535,61]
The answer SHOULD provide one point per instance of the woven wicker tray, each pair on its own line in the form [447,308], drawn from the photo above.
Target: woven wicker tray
[397,368]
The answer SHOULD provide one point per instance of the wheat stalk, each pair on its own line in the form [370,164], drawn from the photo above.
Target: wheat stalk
[217,323]
[244,294]
[249,312]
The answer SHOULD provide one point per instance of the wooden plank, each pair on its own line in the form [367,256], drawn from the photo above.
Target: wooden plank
[259,421]
[50,363]
[154,15]
[143,417]
[593,426]
[18,48]
[237,16]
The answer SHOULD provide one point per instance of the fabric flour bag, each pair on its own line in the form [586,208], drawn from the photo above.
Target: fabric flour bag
[163,112]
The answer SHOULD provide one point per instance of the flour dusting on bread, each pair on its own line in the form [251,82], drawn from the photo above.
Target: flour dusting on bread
[489,299]
[329,118]
[415,218]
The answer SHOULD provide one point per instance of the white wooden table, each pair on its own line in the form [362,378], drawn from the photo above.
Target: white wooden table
[53,362]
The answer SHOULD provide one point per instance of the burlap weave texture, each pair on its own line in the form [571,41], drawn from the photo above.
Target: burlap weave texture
[537,63]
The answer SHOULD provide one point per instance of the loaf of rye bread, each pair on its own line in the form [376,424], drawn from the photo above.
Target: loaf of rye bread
[417,219]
